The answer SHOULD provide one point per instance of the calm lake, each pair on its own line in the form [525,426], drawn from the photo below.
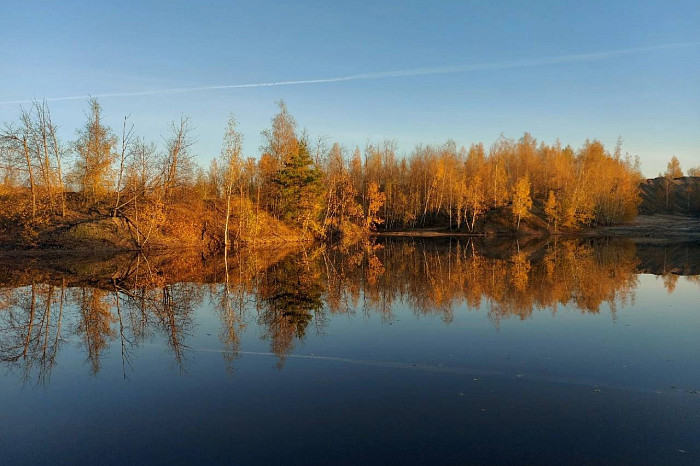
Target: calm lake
[393,351]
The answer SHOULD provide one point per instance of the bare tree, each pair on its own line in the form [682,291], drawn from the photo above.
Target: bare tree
[17,143]
[126,142]
[58,153]
[178,157]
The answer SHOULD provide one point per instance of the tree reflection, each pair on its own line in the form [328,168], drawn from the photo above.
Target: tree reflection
[135,300]
[289,295]
[95,324]
[30,329]
[434,278]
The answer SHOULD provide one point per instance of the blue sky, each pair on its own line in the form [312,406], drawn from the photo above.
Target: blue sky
[649,95]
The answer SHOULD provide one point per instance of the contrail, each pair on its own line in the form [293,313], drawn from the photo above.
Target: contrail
[522,63]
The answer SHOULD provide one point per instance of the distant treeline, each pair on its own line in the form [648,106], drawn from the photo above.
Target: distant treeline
[298,186]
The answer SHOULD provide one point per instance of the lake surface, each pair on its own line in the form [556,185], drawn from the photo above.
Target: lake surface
[387,352]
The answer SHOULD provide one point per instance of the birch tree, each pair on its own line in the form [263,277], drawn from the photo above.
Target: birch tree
[522,202]
[231,164]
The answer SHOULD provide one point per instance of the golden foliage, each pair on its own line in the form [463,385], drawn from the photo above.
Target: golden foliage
[317,192]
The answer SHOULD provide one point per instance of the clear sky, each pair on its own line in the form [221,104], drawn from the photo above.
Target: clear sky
[473,69]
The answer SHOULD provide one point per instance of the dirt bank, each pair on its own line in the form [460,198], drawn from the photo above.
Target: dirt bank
[654,227]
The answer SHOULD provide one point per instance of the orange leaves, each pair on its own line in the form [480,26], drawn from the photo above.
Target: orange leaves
[673,169]
[550,209]
[522,202]
[375,200]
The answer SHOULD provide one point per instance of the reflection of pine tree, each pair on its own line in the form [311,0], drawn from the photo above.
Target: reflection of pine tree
[290,295]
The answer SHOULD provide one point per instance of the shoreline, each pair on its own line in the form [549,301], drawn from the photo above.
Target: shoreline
[657,228]
[644,227]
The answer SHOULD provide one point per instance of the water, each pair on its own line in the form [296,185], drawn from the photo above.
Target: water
[399,352]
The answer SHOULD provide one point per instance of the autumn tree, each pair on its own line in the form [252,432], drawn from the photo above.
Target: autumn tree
[280,142]
[32,148]
[375,200]
[341,199]
[177,165]
[522,202]
[141,166]
[673,171]
[143,189]
[551,211]
[94,149]
[16,144]
[10,164]
[497,182]
[231,162]
[45,144]
[673,168]
[43,152]
[475,197]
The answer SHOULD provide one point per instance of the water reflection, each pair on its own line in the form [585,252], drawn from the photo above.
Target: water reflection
[125,302]
[30,328]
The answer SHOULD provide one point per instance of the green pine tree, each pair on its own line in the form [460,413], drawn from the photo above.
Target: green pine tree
[300,188]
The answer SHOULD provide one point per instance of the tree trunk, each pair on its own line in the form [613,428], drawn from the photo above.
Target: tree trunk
[228,214]
[240,212]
